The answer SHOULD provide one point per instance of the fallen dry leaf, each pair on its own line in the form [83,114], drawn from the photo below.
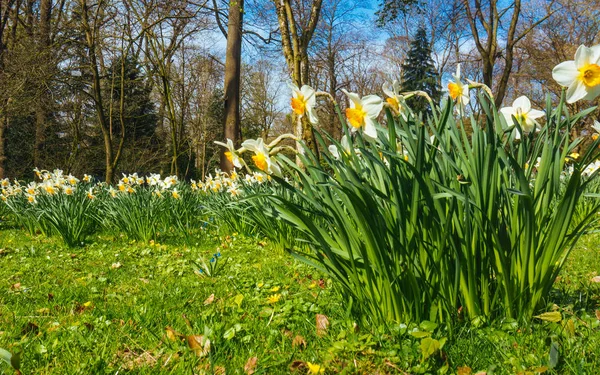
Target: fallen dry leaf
[297,365]
[463,370]
[299,342]
[322,324]
[173,335]
[250,365]
[145,281]
[15,286]
[199,344]
[116,265]
[210,299]
[596,279]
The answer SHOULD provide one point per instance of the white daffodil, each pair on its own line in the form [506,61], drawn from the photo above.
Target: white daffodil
[523,113]
[457,90]
[230,154]
[261,156]
[394,99]
[303,102]
[581,76]
[333,149]
[596,128]
[363,112]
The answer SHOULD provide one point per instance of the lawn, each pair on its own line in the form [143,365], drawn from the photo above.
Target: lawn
[119,306]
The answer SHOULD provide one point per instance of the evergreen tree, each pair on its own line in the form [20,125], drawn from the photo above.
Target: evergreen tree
[419,73]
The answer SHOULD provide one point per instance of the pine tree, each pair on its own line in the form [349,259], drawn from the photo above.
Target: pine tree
[419,73]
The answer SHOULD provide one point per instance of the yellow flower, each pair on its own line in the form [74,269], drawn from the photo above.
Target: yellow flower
[87,178]
[261,161]
[30,199]
[274,298]
[314,368]
[175,194]
[90,194]
[69,190]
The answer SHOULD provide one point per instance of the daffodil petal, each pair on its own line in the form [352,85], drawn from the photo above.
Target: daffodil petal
[523,103]
[372,104]
[312,117]
[583,56]
[370,129]
[388,90]
[576,92]
[333,150]
[592,93]
[565,73]
[508,112]
[354,98]
[535,113]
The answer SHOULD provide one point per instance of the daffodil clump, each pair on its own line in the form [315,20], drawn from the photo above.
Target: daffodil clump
[416,219]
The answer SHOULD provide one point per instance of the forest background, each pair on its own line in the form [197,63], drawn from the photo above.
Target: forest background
[106,87]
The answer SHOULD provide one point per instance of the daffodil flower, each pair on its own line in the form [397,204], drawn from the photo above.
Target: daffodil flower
[596,128]
[581,76]
[394,99]
[303,102]
[457,90]
[231,154]
[333,149]
[363,112]
[261,156]
[524,114]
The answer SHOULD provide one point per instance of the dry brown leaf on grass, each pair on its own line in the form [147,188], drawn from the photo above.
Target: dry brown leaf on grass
[596,279]
[199,344]
[463,370]
[322,324]
[297,365]
[173,335]
[210,299]
[299,342]
[250,365]
[598,314]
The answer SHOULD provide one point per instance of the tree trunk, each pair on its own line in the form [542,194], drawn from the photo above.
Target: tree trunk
[42,104]
[3,124]
[233,60]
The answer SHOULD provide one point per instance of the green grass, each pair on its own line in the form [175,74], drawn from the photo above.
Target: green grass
[105,308]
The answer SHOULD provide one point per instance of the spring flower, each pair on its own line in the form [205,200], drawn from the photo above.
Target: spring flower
[72,180]
[581,76]
[596,128]
[175,194]
[303,102]
[234,191]
[90,194]
[315,369]
[334,150]
[112,192]
[69,190]
[31,198]
[394,99]
[363,112]
[523,113]
[87,178]
[231,154]
[457,90]
[274,298]
[261,156]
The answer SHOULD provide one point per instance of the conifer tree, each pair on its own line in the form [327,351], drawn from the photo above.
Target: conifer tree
[419,73]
